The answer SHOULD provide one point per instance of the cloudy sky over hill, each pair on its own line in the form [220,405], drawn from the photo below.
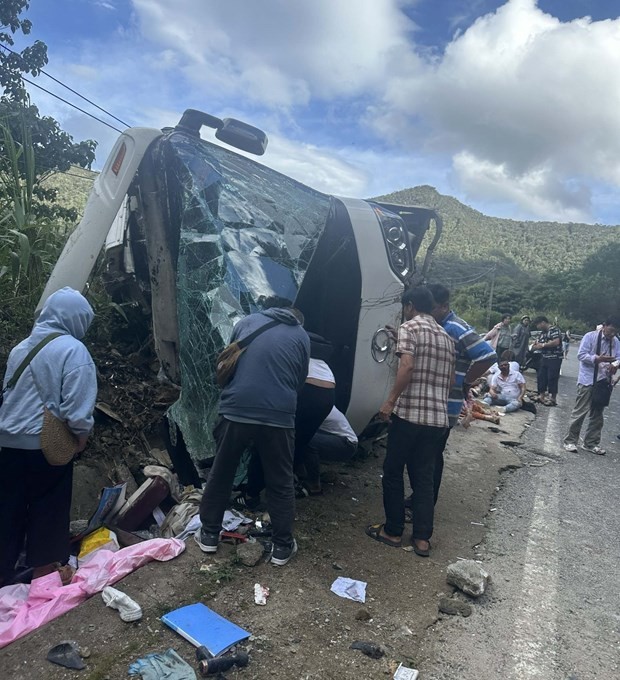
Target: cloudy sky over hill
[510,106]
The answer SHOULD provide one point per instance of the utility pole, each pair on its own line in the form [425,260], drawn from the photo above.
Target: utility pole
[493,272]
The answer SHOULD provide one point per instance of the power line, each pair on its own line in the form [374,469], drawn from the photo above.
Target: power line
[103,122]
[56,80]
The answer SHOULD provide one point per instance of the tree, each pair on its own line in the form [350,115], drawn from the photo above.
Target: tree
[14,64]
[54,149]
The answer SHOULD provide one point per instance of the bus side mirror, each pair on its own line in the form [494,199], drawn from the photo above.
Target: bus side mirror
[242,136]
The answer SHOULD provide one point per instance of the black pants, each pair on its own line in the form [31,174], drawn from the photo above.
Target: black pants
[439,463]
[274,446]
[35,504]
[413,446]
[549,375]
[328,447]
[313,406]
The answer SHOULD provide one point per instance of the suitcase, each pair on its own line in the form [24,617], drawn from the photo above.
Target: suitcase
[141,504]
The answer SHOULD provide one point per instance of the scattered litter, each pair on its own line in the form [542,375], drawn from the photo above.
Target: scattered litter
[261,593]
[200,625]
[350,588]
[67,654]
[478,524]
[111,501]
[468,577]
[159,516]
[404,673]
[233,520]
[355,499]
[192,527]
[371,649]
[492,509]
[128,609]
[208,666]
[408,548]
[140,505]
[102,539]
[168,665]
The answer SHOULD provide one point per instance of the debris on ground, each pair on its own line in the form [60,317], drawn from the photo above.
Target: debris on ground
[370,649]
[250,554]
[454,607]
[201,626]
[404,673]
[261,593]
[158,665]
[363,615]
[208,666]
[128,609]
[468,576]
[350,588]
[67,654]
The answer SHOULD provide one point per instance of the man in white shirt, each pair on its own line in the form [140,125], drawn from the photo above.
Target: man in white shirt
[506,388]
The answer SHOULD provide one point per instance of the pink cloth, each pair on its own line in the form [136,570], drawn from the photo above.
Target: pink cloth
[25,608]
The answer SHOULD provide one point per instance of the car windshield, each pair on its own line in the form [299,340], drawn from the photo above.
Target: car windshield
[247,235]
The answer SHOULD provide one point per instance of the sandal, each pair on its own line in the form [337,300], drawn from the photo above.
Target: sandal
[420,551]
[374,531]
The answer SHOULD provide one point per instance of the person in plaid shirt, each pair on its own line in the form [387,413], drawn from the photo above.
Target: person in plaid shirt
[417,409]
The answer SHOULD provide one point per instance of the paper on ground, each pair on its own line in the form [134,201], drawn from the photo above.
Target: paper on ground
[350,588]
[233,520]
[404,673]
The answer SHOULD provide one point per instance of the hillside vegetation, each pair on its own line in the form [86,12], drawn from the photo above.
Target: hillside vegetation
[533,246]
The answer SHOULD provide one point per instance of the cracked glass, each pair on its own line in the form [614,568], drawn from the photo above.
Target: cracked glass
[247,234]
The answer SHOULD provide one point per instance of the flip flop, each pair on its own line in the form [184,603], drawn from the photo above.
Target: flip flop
[374,531]
[419,551]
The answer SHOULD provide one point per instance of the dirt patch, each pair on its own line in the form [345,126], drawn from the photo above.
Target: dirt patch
[304,631]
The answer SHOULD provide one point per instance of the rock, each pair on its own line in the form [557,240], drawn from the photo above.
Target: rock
[371,649]
[337,567]
[78,527]
[250,554]
[363,615]
[454,607]
[468,576]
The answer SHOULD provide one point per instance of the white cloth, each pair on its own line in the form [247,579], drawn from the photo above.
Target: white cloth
[509,386]
[337,423]
[319,370]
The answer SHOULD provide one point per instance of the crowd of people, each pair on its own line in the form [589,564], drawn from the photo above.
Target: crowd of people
[279,403]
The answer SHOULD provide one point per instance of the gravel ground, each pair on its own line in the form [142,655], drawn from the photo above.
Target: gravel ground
[304,631]
[553,551]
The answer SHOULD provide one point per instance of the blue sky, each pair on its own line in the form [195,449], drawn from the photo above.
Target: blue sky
[510,106]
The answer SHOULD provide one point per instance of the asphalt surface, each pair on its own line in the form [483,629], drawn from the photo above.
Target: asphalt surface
[553,551]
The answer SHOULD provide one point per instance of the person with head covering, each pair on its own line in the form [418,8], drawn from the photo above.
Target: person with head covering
[35,497]
[521,339]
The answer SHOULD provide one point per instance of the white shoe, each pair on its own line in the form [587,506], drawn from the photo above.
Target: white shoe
[127,608]
[571,448]
[595,449]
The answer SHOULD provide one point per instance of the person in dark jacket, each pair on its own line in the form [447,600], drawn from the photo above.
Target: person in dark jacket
[257,407]
[521,340]
[35,497]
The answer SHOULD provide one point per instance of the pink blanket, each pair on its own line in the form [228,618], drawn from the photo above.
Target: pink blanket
[25,608]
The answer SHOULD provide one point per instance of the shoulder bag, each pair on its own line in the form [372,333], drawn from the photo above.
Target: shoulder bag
[229,356]
[58,443]
[601,389]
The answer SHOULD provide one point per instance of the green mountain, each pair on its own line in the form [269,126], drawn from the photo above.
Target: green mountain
[73,187]
[534,247]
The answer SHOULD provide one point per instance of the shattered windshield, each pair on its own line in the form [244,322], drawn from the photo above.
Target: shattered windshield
[247,233]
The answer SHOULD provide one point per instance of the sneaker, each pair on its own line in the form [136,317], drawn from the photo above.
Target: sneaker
[595,449]
[571,448]
[207,542]
[282,554]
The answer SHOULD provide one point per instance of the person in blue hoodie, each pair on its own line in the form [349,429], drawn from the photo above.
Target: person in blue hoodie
[35,497]
[258,407]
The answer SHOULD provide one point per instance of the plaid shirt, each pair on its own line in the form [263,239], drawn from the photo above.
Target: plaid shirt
[425,400]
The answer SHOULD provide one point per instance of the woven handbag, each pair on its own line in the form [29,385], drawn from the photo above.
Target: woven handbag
[58,443]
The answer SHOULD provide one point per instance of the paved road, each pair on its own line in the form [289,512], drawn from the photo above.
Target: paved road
[553,551]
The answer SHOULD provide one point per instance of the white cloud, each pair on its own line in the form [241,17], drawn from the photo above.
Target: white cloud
[524,102]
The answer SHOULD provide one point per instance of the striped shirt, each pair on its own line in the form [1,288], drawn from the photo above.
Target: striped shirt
[470,348]
[425,400]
